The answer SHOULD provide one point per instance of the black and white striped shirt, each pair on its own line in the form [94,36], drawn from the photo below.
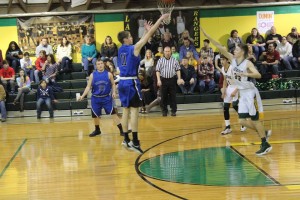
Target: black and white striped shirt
[167,67]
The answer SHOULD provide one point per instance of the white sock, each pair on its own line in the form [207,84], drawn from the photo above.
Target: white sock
[227,123]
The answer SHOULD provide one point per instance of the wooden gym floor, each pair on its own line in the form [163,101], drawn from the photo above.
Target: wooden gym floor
[185,158]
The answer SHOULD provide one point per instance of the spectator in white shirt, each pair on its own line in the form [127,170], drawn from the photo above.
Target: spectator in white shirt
[285,50]
[26,65]
[147,62]
[44,46]
[64,55]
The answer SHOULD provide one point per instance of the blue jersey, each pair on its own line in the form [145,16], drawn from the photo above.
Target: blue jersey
[101,84]
[128,63]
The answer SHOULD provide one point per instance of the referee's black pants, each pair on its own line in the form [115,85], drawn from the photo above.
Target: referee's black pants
[168,89]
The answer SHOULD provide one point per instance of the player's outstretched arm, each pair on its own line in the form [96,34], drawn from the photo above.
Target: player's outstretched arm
[87,89]
[150,31]
[222,49]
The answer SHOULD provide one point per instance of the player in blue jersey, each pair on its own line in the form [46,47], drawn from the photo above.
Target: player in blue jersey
[103,91]
[129,85]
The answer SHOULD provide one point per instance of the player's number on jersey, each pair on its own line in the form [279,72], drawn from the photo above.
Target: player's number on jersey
[238,77]
[123,59]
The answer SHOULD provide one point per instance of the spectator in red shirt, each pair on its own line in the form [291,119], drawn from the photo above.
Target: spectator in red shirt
[39,63]
[205,73]
[7,75]
[270,61]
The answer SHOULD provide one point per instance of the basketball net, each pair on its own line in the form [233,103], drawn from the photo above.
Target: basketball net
[166,7]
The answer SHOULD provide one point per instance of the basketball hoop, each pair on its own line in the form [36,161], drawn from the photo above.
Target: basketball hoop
[166,7]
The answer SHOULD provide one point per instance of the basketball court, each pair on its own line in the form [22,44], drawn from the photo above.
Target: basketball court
[185,158]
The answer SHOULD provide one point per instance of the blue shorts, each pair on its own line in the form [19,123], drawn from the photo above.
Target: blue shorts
[130,93]
[98,103]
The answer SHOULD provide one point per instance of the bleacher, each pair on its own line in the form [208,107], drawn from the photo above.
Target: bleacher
[268,94]
[71,83]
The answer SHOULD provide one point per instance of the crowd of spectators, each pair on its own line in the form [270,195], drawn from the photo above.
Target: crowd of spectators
[269,54]
[197,68]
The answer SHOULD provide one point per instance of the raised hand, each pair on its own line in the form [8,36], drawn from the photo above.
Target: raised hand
[165,16]
[148,25]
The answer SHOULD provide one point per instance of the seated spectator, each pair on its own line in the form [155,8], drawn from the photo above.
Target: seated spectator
[189,76]
[44,95]
[296,54]
[270,61]
[2,102]
[187,46]
[7,75]
[148,61]
[26,65]
[217,61]
[191,60]
[257,42]
[160,52]
[39,63]
[64,55]
[147,90]
[293,36]
[206,52]
[109,66]
[175,54]
[251,56]
[185,34]
[233,40]
[50,69]
[13,55]
[273,37]
[88,54]
[43,46]
[205,74]
[285,51]
[1,59]
[109,50]
[156,39]
[24,86]
[217,74]
[167,40]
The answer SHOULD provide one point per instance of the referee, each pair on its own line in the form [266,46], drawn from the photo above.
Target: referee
[166,70]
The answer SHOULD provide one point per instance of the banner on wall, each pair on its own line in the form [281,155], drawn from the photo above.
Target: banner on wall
[76,3]
[180,21]
[75,27]
[265,20]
